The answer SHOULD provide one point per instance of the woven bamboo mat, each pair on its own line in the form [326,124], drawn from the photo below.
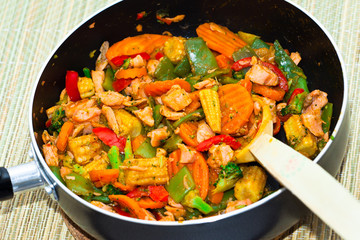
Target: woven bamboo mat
[30,29]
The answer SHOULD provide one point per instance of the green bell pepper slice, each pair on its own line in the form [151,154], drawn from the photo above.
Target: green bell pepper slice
[87,72]
[56,171]
[258,43]
[172,142]
[78,184]
[157,116]
[295,106]
[176,187]
[114,157]
[183,68]
[128,149]
[243,52]
[248,37]
[165,70]
[326,117]
[228,80]
[190,117]
[146,150]
[108,81]
[103,199]
[200,57]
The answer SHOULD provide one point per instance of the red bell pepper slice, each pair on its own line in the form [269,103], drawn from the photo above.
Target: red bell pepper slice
[139,192]
[110,138]
[206,145]
[294,93]
[118,61]
[277,126]
[242,63]
[159,55]
[283,84]
[140,15]
[118,210]
[71,81]
[121,84]
[158,193]
[48,123]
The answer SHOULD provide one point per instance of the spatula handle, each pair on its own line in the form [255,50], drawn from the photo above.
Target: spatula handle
[316,188]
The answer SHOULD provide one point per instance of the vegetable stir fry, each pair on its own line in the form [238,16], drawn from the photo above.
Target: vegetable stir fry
[161,128]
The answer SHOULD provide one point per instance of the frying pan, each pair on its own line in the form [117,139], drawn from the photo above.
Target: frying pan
[271,19]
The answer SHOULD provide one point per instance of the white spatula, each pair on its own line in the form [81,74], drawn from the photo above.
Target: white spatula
[317,189]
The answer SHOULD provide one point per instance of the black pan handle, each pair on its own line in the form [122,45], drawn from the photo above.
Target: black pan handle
[6,188]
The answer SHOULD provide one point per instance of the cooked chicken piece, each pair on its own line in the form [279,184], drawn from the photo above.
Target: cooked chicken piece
[110,117]
[98,78]
[280,106]
[111,98]
[151,66]
[72,107]
[78,129]
[272,106]
[176,98]
[187,155]
[157,135]
[137,62]
[136,88]
[204,132]
[220,155]
[266,55]
[235,205]
[145,115]
[51,154]
[86,114]
[47,138]
[262,75]
[160,152]
[167,217]
[166,112]
[311,116]
[102,206]
[134,102]
[208,83]
[101,61]
[177,212]
[295,56]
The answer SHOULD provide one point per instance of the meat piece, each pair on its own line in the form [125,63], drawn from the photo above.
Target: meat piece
[86,114]
[295,56]
[204,132]
[234,205]
[311,116]
[176,98]
[208,83]
[136,88]
[151,66]
[132,103]
[166,112]
[101,61]
[145,115]
[157,135]
[137,62]
[187,155]
[262,75]
[98,78]
[220,155]
[51,154]
[72,107]
[111,98]
[110,117]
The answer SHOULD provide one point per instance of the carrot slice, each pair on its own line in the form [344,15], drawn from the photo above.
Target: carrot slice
[137,44]
[64,134]
[220,38]
[174,164]
[275,93]
[195,103]
[136,142]
[160,87]
[122,187]
[223,61]
[236,107]
[130,204]
[149,203]
[103,177]
[130,73]
[200,172]
[188,133]
[215,198]
[246,83]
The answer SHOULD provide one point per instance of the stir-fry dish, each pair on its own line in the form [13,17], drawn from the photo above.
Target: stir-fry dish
[161,128]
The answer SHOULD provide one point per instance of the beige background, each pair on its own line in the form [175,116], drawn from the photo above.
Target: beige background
[30,29]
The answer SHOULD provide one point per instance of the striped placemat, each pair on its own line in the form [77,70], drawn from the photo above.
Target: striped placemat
[29,30]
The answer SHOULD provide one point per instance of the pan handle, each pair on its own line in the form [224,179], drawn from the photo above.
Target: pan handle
[24,177]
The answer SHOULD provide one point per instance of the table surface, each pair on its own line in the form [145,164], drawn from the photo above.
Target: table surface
[31,29]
